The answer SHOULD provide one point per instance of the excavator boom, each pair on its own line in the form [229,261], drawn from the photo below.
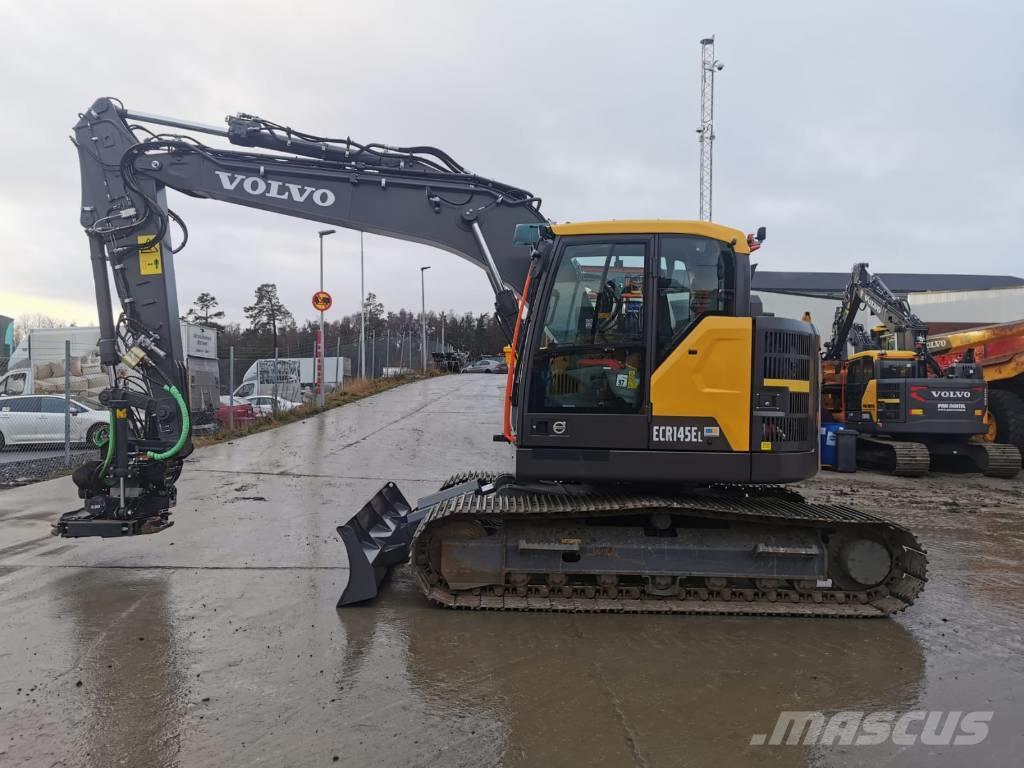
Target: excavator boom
[418,194]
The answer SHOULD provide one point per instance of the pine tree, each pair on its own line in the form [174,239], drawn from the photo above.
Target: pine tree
[267,313]
[374,310]
[202,311]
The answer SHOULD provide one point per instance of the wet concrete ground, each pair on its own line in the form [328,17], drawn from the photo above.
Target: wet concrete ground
[217,643]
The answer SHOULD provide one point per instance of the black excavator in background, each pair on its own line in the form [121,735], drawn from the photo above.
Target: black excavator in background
[651,407]
[910,413]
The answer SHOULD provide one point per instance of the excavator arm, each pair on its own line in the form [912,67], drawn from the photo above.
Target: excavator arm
[867,290]
[419,194]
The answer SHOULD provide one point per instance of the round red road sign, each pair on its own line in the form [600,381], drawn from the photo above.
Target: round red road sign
[322,301]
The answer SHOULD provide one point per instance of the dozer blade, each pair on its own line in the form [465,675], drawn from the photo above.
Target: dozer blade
[376,538]
[380,535]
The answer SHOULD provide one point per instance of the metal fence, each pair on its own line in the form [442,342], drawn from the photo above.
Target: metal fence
[50,416]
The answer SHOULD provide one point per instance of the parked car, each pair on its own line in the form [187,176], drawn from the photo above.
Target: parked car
[486,365]
[263,405]
[244,413]
[40,419]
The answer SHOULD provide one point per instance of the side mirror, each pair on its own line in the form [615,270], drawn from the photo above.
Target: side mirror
[527,234]
[761,234]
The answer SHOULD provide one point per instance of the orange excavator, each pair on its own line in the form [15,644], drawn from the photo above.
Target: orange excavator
[999,351]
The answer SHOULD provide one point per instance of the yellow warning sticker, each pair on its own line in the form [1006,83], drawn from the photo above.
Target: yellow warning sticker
[121,413]
[150,262]
[766,445]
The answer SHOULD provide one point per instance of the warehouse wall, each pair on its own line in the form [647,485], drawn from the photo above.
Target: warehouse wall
[975,307]
[999,305]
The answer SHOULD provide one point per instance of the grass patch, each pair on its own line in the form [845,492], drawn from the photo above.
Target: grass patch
[355,389]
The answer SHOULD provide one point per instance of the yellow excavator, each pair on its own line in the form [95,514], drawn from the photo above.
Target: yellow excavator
[653,409]
[910,411]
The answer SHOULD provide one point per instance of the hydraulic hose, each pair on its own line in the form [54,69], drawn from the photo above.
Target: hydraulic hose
[513,359]
[173,450]
[110,448]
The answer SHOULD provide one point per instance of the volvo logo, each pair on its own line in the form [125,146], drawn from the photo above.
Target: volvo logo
[951,394]
[279,190]
[558,427]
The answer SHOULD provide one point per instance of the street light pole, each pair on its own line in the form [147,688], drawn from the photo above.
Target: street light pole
[362,313]
[321,390]
[423,315]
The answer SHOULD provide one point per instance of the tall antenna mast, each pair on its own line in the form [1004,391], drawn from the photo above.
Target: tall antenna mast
[706,133]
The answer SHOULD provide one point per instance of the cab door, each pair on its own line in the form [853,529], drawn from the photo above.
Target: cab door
[858,373]
[701,352]
[587,381]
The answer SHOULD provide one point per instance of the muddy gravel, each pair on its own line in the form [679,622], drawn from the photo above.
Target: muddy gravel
[217,643]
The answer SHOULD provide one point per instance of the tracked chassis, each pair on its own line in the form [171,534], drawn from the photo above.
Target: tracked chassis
[729,550]
[906,458]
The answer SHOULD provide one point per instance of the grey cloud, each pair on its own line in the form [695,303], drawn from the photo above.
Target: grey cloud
[879,131]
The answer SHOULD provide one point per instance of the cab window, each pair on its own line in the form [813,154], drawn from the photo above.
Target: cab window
[598,295]
[696,277]
[897,369]
[591,354]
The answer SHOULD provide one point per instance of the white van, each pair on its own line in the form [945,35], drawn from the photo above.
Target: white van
[272,378]
[37,365]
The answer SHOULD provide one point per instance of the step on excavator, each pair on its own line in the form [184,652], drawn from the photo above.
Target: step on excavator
[653,409]
[910,412]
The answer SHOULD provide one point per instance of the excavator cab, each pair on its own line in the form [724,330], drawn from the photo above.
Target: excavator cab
[647,364]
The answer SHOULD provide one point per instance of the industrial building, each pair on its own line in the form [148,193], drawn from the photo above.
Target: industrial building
[945,302]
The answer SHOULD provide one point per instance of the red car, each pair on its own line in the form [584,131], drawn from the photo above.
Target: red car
[244,415]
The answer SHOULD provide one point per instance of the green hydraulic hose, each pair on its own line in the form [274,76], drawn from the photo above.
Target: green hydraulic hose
[110,447]
[173,450]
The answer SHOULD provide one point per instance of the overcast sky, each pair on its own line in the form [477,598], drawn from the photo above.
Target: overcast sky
[887,132]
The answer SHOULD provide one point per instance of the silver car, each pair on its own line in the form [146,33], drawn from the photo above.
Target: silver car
[486,365]
[264,404]
[40,419]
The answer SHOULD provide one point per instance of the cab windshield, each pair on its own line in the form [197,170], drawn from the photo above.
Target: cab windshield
[592,353]
[591,357]
[897,369]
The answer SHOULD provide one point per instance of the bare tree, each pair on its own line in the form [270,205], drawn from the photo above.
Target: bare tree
[32,320]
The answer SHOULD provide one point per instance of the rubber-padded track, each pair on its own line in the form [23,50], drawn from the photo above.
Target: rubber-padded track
[995,459]
[896,457]
[753,504]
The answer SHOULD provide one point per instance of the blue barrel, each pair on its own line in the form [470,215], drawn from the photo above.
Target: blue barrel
[829,451]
